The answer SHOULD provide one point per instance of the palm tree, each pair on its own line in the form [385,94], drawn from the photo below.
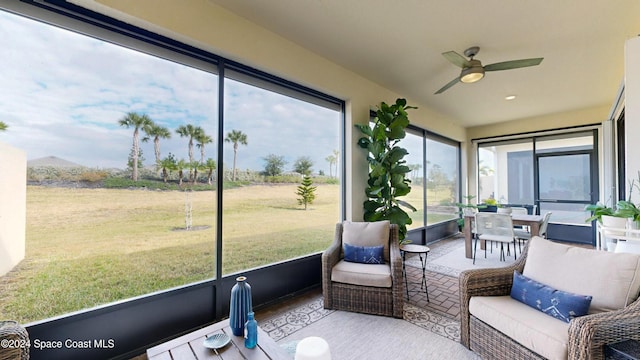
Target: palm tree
[157,132]
[336,154]
[191,132]
[3,126]
[210,165]
[202,139]
[194,166]
[137,121]
[180,166]
[331,159]
[236,137]
[167,165]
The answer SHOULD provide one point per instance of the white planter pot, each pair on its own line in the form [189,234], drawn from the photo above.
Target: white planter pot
[632,224]
[614,222]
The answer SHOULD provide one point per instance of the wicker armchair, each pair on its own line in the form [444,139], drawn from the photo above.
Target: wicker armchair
[17,348]
[387,301]
[587,334]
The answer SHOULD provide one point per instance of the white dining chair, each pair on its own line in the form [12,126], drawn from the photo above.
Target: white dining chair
[526,235]
[495,227]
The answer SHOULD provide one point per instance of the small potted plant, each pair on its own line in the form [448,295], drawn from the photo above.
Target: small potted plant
[598,211]
[608,217]
[490,204]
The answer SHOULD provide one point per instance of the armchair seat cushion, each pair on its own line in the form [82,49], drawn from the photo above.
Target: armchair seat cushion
[531,328]
[377,275]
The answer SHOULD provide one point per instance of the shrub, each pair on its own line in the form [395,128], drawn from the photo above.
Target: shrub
[93,176]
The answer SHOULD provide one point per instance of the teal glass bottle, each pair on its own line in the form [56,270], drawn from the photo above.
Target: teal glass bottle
[239,306]
[251,332]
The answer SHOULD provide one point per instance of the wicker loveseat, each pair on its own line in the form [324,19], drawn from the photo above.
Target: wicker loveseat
[496,326]
[367,288]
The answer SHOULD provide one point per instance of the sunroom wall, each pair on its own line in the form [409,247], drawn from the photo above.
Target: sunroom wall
[210,27]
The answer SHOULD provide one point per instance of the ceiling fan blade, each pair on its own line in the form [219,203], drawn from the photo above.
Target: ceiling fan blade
[456,59]
[513,64]
[450,84]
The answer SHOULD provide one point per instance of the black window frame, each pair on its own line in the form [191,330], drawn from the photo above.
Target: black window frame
[138,323]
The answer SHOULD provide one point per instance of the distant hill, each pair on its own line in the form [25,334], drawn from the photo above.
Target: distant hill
[52,161]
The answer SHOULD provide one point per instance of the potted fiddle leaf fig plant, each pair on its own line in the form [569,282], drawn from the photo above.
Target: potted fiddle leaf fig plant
[387,170]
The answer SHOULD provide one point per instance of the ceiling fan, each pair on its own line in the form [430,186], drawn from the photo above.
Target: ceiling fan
[472,69]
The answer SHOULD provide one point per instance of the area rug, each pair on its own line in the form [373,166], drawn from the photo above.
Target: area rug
[286,324]
[448,257]
[357,336]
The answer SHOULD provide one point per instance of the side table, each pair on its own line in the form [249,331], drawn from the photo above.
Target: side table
[420,250]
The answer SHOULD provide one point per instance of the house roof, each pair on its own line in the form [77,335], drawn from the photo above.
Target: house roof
[399,44]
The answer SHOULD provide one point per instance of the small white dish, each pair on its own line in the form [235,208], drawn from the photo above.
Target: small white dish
[217,341]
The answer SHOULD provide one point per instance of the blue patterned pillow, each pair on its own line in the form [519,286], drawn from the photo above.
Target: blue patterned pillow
[560,304]
[363,254]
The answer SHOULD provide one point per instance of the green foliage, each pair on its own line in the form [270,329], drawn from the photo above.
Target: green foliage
[282,179]
[490,201]
[167,165]
[130,164]
[387,169]
[125,183]
[3,126]
[303,165]
[93,176]
[306,191]
[274,165]
[629,210]
[236,137]
[597,211]
[137,122]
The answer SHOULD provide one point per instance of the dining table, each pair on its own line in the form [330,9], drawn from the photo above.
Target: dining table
[532,221]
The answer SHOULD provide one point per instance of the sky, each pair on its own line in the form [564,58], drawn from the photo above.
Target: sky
[62,94]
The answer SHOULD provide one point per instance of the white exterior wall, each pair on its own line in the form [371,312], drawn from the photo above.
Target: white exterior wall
[632,108]
[13,206]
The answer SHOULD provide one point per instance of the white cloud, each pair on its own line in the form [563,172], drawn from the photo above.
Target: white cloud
[65,93]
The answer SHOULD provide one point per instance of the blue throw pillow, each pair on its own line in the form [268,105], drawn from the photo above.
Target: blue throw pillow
[363,254]
[560,304]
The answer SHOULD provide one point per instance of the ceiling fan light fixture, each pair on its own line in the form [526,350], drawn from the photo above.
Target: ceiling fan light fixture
[472,74]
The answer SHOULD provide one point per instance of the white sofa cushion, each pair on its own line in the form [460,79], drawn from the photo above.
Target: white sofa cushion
[531,328]
[613,279]
[378,275]
[367,234]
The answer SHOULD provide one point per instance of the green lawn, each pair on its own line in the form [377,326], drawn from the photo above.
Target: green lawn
[87,247]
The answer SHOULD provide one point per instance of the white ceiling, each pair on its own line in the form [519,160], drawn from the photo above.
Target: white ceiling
[398,44]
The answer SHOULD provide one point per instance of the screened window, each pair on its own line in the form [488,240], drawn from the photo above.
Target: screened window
[123,147]
[434,163]
[551,173]
[443,181]
[284,140]
[119,203]
[414,143]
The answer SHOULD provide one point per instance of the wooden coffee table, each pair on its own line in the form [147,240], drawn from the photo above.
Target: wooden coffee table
[190,346]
